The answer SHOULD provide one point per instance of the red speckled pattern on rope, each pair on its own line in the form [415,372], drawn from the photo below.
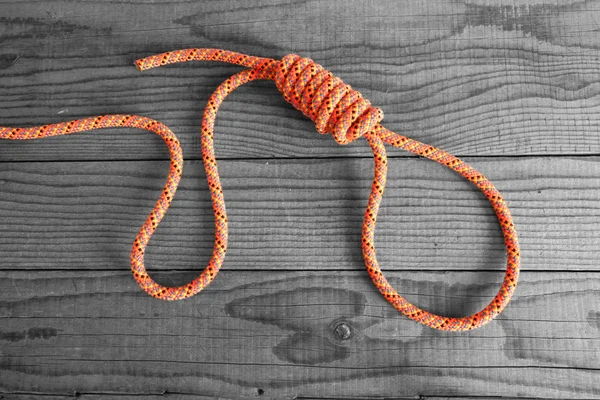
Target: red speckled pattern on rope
[336,109]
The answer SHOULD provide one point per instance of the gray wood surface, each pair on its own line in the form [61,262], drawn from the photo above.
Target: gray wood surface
[300,214]
[511,86]
[254,330]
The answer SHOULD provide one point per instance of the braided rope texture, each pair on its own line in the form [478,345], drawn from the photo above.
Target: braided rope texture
[336,109]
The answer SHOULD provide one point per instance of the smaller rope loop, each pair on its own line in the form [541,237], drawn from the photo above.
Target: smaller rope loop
[332,105]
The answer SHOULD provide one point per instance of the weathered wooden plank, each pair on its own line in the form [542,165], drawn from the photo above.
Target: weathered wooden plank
[255,332]
[476,78]
[187,396]
[179,396]
[112,395]
[299,215]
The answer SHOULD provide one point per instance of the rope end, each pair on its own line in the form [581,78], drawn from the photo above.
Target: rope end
[139,64]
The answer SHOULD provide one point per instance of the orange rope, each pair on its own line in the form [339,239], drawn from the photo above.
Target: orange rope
[335,108]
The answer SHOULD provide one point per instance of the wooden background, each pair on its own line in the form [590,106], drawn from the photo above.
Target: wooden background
[511,86]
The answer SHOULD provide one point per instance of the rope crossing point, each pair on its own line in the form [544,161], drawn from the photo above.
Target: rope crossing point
[336,109]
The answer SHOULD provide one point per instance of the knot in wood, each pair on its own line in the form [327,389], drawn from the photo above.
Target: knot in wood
[343,331]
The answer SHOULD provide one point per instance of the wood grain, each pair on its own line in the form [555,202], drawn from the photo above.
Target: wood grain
[475,78]
[512,86]
[299,215]
[254,331]
[187,396]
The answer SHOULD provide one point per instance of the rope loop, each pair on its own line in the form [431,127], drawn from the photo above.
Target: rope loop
[335,108]
[332,105]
